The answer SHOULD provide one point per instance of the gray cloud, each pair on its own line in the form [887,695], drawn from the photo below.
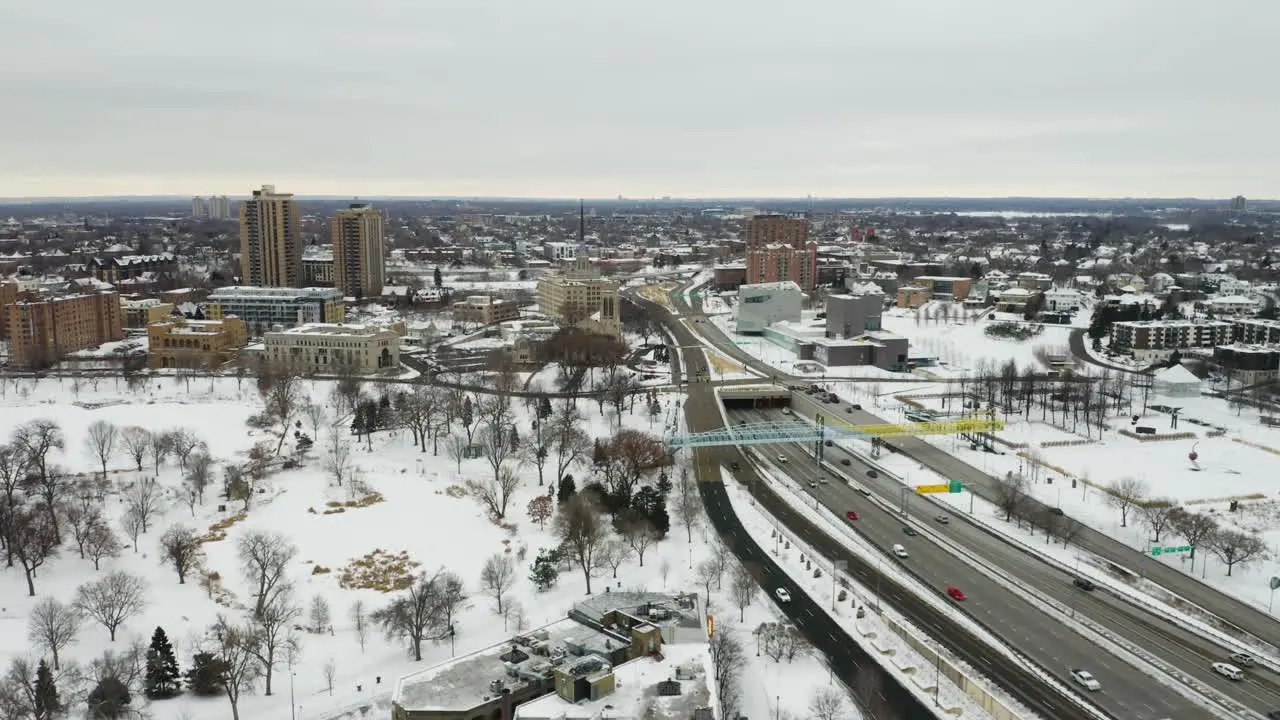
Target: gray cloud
[592,97]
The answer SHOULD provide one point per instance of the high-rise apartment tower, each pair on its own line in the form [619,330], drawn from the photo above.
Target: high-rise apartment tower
[270,240]
[359,264]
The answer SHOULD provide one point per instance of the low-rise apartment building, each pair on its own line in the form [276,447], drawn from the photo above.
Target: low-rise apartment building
[485,310]
[332,348]
[128,267]
[262,308]
[1155,340]
[42,332]
[1248,364]
[141,313]
[1256,331]
[195,344]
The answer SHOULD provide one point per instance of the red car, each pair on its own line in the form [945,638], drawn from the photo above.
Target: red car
[955,593]
[851,515]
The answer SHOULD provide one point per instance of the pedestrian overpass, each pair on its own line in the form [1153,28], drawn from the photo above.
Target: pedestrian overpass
[790,431]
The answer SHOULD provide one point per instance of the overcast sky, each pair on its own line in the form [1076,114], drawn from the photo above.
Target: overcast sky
[596,98]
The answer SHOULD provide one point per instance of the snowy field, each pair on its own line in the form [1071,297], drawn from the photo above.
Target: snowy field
[421,509]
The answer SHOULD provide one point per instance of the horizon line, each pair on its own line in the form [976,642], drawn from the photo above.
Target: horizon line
[663,199]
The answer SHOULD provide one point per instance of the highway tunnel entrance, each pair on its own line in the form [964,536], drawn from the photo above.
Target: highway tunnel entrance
[750,397]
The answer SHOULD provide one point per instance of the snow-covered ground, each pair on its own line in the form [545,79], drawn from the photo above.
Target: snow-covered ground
[425,513]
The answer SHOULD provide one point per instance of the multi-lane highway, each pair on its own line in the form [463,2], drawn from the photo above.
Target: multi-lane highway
[1246,617]
[703,413]
[1128,691]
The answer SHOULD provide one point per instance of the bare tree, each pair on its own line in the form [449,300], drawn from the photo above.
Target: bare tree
[688,507]
[199,474]
[132,524]
[161,446]
[613,553]
[112,599]
[318,616]
[457,446]
[183,442]
[640,534]
[495,446]
[495,493]
[497,576]
[828,703]
[274,634]
[582,532]
[337,457]
[52,627]
[1237,548]
[728,660]
[705,574]
[283,401]
[1124,495]
[417,615]
[316,416]
[1011,494]
[146,500]
[1158,514]
[36,439]
[237,649]
[135,441]
[743,588]
[1195,528]
[571,446]
[359,621]
[51,487]
[100,542]
[32,540]
[330,672]
[78,519]
[181,548]
[536,453]
[264,560]
[101,442]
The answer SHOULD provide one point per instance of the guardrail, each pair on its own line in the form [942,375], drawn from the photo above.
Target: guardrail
[1124,646]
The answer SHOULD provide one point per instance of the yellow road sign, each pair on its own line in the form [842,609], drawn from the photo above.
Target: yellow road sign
[927,489]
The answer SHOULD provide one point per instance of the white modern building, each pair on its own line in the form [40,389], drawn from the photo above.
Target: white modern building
[764,304]
[1063,299]
[263,307]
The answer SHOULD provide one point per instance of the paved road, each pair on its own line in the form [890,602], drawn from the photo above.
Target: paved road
[1187,651]
[704,414]
[1076,341]
[1231,610]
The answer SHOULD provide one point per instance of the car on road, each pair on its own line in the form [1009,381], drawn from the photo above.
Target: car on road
[783,594]
[851,515]
[1244,660]
[822,479]
[1228,671]
[910,531]
[829,443]
[813,485]
[735,466]
[943,519]
[855,406]
[849,410]
[786,411]
[1083,583]
[1086,679]
[955,593]
[782,458]
[845,462]
[900,551]
[872,473]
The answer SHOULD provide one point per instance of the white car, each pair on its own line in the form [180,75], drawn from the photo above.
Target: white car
[900,551]
[1086,678]
[783,595]
[782,458]
[1228,671]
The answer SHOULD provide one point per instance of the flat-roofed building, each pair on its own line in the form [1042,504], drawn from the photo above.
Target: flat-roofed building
[359,255]
[580,297]
[485,310]
[42,332]
[141,313]
[195,344]
[332,348]
[262,308]
[1155,340]
[1256,331]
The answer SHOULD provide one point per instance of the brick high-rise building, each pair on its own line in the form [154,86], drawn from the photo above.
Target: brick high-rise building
[359,262]
[778,263]
[777,230]
[42,332]
[270,240]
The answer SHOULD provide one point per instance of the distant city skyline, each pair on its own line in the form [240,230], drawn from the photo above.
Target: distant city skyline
[710,99]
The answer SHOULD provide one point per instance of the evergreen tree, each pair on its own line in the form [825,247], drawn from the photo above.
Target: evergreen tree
[664,483]
[163,678]
[437,278]
[47,704]
[513,438]
[546,569]
[205,675]
[544,407]
[109,699]
[565,489]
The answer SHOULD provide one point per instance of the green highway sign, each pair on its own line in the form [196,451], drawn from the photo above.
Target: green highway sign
[955,486]
[1158,551]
